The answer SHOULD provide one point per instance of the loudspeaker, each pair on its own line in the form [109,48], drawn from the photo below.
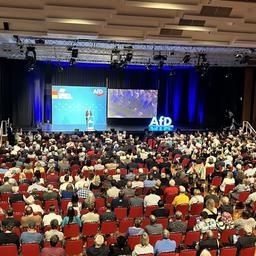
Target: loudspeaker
[6,25]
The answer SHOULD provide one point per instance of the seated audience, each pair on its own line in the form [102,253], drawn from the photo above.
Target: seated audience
[161,211]
[165,245]
[10,220]
[144,247]
[177,225]
[153,228]
[91,216]
[120,247]
[71,218]
[54,231]
[99,248]
[31,235]
[136,230]
[182,198]
[51,216]
[53,250]
[8,237]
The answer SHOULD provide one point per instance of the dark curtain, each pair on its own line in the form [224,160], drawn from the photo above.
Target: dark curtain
[186,97]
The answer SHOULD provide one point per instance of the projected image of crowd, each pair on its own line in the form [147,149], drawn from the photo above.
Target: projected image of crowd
[114,193]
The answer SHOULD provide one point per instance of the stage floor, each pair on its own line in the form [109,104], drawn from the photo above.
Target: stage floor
[128,128]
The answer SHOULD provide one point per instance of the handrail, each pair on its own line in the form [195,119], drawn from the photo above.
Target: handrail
[247,128]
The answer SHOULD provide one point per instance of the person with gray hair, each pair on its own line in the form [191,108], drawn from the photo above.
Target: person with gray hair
[153,228]
[177,225]
[144,247]
[166,244]
[248,240]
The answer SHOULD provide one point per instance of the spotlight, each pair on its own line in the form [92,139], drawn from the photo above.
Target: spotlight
[30,57]
[72,62]
[172,73]
[39,41]
[74,53]
[160,64]
[186,58]
[115,56]
[128,57]
[60,69]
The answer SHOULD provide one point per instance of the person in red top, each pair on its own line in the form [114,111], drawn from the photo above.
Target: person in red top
[172,189]
[53,250]
[52,176]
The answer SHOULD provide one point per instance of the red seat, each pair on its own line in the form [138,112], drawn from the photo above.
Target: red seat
[17,231]
[17,215]
[23,187]
[133,240]
[171,209]
[213,252]
[145,222]
[228,251]
[185,162]
[149,209]
[136,211]
[188,253]
[247,251]
[228,188]
[192,221]
[177,237]
[64,204]
[243,196]
[216,181]
[71,230]
[19,207]
[191,237]
[196,209]
[108,227]
[209,170]
[125,224]
[120,212]
[169,198]
[90,229]
[74,247]
[111,240]
[48,203]
[163,221]
[183,208]
[225,234]
[30,249]
[111,172]
[2,217]
[99,202]
[10,250]
[154,238]
[5,197]
[4,205]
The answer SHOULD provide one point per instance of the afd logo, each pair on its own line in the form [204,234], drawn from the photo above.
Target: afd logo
[98,92]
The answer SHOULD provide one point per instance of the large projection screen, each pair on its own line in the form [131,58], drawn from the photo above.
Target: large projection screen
[78,107]
[130,103]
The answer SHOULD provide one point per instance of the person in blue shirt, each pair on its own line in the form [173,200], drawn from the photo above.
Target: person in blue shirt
[165,245]
[71,218]
[31,235]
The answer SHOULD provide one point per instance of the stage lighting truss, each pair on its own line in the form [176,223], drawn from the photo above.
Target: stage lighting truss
[100,51]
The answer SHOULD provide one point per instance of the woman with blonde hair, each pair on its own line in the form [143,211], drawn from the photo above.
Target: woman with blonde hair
[144,247]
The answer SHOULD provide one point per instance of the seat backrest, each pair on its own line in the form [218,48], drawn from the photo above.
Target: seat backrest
[10,250]
[228,251]
[177,237]
[154,238]
[108,227]
[120,212]
[188,253]
[163,221]
[74,247]
[133,240]
[228,188]
[243,196]
[196,209]
[247,251]
[225,234]
[216,181]
[125,224]
[90,229]
[71,230]
[30,249]
[136,211]
[192,237]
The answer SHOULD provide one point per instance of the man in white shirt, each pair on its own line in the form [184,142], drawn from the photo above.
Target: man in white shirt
[51,216]
[63,186]
[99,166]
[152,198]
[113,191]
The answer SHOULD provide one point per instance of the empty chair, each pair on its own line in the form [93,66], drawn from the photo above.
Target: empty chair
[90,228]
[228,251]
[108,227]
[120,212]
[71,230]
[247,251]
[133,240]
[177,237]
[136,211]
[154,238]
[74,247]
[191,238]
[125,224]
[225,234]
[10,250]
[188,253]
[196,209]
[30,249]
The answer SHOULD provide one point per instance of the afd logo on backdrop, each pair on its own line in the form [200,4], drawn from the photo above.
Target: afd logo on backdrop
[98,92]
[162,124]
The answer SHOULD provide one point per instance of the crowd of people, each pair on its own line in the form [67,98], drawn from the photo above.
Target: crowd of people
[194,181]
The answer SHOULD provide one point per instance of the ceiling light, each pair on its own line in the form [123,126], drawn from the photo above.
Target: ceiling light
[76,21]
[167,6]
[191,28]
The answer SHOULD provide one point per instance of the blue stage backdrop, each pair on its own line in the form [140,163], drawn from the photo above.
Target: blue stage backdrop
[185,96]
[77,107]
